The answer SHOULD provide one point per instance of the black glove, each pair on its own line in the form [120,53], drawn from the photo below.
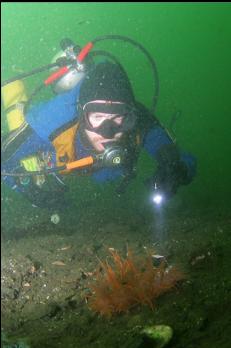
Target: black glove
[171,171]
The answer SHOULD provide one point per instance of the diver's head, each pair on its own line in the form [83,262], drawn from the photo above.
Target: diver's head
[106,106]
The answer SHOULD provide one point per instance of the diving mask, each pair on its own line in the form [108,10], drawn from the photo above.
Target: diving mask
[108,118]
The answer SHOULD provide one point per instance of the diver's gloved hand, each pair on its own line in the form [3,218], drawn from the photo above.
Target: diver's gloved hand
[171,171]
[169,179]
[171,168]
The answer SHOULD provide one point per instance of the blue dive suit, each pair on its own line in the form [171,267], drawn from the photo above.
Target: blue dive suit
[45,118]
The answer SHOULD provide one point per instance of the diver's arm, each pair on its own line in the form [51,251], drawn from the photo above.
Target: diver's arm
[179,166]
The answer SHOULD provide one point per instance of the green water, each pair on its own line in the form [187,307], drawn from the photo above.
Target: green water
[190,43]
[191,46]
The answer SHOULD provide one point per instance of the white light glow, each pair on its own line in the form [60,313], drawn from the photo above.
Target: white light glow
[157,199]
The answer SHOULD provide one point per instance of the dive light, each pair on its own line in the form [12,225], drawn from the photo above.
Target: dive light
[158,196]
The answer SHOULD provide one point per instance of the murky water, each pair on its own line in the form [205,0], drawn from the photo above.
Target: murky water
[191,47]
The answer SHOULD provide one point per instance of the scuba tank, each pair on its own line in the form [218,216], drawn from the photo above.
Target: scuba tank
[14,97]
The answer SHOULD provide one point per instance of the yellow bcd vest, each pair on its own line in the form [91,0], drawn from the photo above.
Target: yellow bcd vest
[64,145]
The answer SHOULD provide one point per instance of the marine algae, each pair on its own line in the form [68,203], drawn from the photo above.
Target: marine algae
[128,282]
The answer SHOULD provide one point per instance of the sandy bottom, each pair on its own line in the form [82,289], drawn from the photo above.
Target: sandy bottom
[47,267]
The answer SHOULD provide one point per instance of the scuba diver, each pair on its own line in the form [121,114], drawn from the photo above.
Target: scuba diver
[92,126]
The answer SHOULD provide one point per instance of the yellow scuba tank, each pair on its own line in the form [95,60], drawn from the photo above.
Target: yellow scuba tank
[14,96]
